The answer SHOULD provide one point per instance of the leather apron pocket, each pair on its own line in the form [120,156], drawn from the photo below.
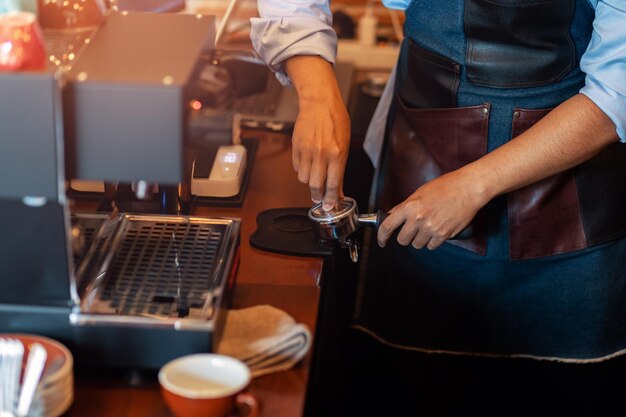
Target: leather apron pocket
[424,144]
[544,217]
[601,185]
[518,43]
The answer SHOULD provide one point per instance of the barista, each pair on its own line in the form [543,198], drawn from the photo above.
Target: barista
[501,120]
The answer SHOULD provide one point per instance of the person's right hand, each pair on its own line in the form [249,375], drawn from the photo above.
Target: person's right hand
[321,136]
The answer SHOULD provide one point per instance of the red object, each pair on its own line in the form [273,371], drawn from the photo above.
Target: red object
[155,6]
[71,14]
[207,385]
[240,405]
[21,43]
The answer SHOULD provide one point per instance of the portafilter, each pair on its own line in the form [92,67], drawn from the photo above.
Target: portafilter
[340,224]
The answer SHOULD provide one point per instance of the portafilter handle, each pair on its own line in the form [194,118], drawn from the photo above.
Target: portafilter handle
[373,219]
[376,219]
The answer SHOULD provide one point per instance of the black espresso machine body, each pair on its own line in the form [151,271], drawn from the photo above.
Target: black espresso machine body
[119,289]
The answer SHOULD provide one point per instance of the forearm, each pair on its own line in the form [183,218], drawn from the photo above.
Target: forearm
[313,78]
[321,134]
[572,133]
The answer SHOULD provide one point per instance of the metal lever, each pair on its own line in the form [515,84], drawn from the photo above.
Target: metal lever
[376,219]
[353,249]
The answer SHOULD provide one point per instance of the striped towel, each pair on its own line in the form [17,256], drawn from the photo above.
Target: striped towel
[265,338]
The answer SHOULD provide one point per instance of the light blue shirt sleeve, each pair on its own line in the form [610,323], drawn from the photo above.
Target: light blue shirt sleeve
[286,28]
[604,62]
[396,4]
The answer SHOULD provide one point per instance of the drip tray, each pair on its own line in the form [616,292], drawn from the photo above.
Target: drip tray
[156,271]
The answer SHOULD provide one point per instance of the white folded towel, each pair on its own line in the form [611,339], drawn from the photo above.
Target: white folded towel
[264,338]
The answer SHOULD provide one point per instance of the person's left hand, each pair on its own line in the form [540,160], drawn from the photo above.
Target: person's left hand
[435,212]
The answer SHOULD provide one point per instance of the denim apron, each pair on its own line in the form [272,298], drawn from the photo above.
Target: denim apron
[543,274]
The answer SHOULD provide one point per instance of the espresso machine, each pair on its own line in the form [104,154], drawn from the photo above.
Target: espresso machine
[120,288]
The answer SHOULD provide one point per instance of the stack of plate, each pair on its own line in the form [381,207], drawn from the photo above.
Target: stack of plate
[55,392]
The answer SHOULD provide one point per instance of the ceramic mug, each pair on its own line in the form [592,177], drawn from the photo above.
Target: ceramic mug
[21,43]
[207,385]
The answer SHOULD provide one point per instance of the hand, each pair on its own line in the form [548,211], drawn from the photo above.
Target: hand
[321,140]
[436,212]
[321,136]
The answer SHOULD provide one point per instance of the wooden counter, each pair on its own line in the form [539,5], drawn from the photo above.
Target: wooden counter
[289,283]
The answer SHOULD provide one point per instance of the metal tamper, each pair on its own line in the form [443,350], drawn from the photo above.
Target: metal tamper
[341,223]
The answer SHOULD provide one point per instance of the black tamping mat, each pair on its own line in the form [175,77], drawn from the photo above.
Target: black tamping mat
[288,231]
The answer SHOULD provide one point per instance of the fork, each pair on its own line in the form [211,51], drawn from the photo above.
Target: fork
[11,353]
[34,367]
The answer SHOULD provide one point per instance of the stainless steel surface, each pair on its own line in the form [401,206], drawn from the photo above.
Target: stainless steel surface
[353,249]
[29,144]
[347,207]
[370,218]
[156,271]
[132,108]
[84,227]
[53,266]
[336,224]
[340,224]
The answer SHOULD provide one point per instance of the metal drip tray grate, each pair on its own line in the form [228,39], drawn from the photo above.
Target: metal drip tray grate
[84,229]
[162,265]
[158,267]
